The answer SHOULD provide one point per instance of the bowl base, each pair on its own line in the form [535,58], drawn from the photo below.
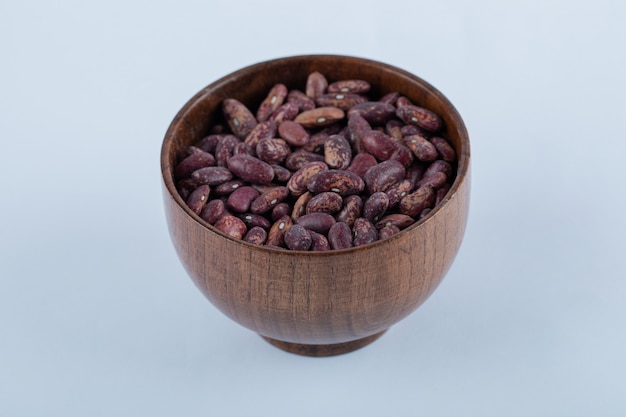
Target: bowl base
[323,350]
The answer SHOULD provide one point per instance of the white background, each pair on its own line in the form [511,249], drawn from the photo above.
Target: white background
[98,318]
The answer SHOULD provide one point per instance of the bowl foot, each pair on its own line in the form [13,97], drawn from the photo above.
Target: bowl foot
[323,350]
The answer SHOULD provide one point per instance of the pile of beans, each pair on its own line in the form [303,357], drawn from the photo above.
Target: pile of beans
[320,169]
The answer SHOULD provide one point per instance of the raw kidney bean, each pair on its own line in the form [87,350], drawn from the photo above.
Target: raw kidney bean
[383,175]
[394,129]
[435,180]
[340,236]
[419,116]
[224,149]
[388,231]
[238,117]
[293,133]
[276,234]
[298,238]
[243,148]
[336,180]
[303,101]
[327,202]
[298,181]
[438,166]
[281,174]
[213,211]
[264,130]
[327,168]
[256,235]
[298,159]
[375,112]
[251,169]
[272,151]
[318,242]
[402,154]
[318,222]
[396,192]
[211,175]
[444,149]
[225,188]
[208,143]
[231,225]
[273,101]
[361,163]
[299,207]
[412,204]
[401,221]
[349,86]
[320,116]
[337,152]
[239,200]
[357,128]
[379,144]
[351,210]
[343,101]
[198,198]
[194,162]
[364,232]
[316,85]
[375,206]
[423,149]
[253,220]
[280,210]
[285,112]
[266,201]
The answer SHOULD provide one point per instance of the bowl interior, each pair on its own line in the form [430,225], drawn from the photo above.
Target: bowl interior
[251,84]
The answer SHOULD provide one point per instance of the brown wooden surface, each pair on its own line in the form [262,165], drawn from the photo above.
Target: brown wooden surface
[315,298]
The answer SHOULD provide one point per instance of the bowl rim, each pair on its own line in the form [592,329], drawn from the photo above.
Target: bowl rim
[462,169]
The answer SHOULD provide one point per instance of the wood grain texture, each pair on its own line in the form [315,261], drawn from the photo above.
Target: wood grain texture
[316,303]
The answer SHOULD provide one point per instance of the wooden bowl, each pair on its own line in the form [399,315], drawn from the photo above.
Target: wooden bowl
[316,303]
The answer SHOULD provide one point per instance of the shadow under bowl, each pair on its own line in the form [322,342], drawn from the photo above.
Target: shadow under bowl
[316,303]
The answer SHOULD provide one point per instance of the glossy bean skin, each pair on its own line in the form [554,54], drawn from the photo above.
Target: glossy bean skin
[384,175]
[239,200]
[255,220]
[193,162]
[298,238]
[293,133]
[412,204]
[317,222]
[213,211]
[211,175]
[340,236]
[269,199]
[375,206]
[364,232]
[297,184]
[198,198]
[232,226]
[276,234]
[239,117]
[251,169]
[351,210]
[419,116]
[326,202]
[339,181]
[337,152]
[256,235]
[273,101]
